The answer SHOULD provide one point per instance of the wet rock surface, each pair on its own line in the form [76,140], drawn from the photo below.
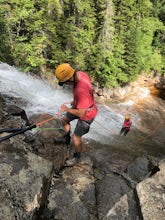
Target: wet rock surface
[35,185]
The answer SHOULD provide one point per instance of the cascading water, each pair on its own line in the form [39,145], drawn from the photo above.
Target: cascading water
[39,97]
[37,93]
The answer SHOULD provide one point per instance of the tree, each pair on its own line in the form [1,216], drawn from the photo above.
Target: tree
[76,31]
[5,54]
[114,40]
[159,39]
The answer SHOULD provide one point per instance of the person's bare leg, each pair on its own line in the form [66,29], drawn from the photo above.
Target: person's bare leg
[66,138]
[66,125]
[77,143]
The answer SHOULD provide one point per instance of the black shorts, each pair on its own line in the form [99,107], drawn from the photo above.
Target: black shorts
[82,127]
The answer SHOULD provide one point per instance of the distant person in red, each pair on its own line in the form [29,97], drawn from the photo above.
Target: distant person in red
[83,108]
[126,126]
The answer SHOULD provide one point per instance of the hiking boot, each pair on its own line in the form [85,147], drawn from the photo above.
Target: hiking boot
[57,173]
[74,160]
[65,139]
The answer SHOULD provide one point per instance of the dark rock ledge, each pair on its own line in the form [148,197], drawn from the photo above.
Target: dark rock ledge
[29,190]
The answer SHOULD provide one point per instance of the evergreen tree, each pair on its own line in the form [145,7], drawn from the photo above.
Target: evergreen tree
[114,40]
[159,39]
[76,31]
[106,67]
[5,54]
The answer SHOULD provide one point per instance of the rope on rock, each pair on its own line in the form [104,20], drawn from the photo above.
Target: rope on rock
[19,131]
[16,131]
[160,125]
[47,129]
[45,121]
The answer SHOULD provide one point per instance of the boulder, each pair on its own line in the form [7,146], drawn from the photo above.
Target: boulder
[151,194]
[73,195]
[24,183]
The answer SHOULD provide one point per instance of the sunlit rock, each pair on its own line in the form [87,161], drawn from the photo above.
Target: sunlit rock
[151,194]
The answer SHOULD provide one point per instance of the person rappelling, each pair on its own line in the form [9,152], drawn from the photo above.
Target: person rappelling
[83,108]
[126,125]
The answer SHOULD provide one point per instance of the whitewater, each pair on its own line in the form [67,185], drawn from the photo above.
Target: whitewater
[39,97]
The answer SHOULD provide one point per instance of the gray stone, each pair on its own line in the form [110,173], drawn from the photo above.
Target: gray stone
[109,191]
[141,167]
[24,181]
[151,194]
[125,208]
[73,196]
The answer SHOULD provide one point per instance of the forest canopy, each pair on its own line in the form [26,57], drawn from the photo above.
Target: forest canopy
[113,40]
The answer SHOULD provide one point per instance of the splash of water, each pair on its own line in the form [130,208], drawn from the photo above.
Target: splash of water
[37,93]
[40,97]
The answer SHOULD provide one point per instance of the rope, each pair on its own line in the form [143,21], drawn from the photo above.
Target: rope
[102,126]
[49,119]
[17,131]
[45,121]
[46,129]
[142,139]
[138,139]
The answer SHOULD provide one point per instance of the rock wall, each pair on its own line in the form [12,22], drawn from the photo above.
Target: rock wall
[156,85]
[34,185]
[151,194]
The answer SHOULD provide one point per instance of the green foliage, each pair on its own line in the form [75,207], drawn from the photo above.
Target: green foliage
[76,31]
[113,40]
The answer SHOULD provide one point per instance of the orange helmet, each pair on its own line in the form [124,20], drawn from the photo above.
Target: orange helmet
[64,72]
[127,117]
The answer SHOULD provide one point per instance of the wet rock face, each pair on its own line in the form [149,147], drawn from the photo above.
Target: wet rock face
[94,189]
[16,111]
[24,177]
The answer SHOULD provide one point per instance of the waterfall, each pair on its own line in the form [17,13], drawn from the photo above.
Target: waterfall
[39,97]
[36,92]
